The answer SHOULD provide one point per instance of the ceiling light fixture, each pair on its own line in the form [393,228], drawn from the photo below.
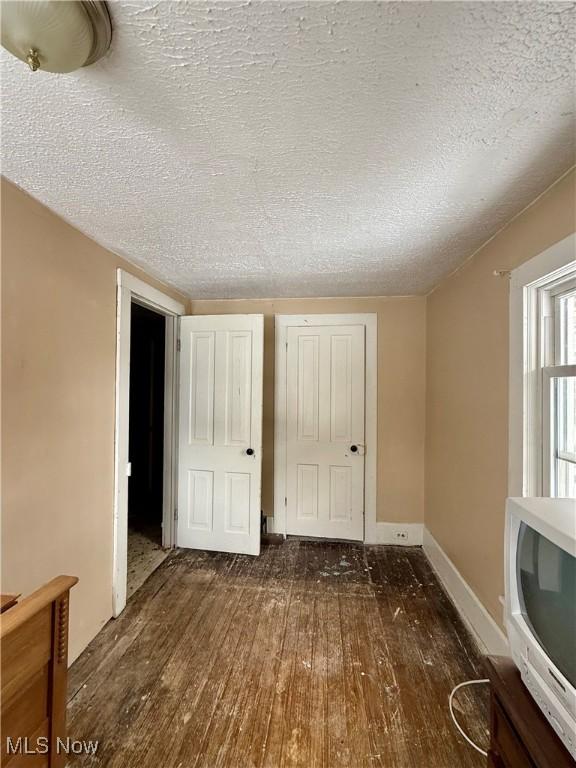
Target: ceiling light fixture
[56,35]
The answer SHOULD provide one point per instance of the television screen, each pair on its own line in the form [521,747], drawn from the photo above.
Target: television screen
[547,586]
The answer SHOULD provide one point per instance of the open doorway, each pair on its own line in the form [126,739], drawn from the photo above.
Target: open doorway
[145,444]
[144,432]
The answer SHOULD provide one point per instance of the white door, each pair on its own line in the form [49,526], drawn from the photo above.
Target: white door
[325,431]
[220,433]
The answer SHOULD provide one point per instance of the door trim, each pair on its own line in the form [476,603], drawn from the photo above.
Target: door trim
[131,289]
[370,323]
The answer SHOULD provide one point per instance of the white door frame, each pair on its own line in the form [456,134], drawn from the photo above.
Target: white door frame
[131,289]
[370,322]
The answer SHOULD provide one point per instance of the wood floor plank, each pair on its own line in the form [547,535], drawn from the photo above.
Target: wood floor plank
[111,710]
[427,656]
[192,676]
[297,739]
[313,655]
[259,688]
[227,737]
[117,635]
[337,734]
[279,730]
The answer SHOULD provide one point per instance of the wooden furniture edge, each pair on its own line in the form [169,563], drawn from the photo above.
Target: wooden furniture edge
[540,731]
[8,601]
[35,602]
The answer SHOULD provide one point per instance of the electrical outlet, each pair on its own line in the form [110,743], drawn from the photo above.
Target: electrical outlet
[401,535]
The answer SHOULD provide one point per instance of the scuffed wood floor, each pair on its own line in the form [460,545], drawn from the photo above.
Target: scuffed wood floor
[313,654]
[145,554]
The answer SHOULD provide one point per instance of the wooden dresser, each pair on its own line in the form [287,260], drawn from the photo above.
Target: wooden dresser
[520,735]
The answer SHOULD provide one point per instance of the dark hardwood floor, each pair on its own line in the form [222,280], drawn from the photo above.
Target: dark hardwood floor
[313,654]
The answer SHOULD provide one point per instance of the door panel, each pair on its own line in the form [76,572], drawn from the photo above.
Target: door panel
[308,388]
[238,389]
[325,419]
[340,506]
[341,389]
[220,443]
[307,491]
[200,499]
[201,423]
[237,508]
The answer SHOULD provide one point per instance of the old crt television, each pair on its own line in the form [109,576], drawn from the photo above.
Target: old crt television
[541,605]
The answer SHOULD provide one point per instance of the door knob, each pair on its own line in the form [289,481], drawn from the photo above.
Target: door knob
[250,451]
[354,448]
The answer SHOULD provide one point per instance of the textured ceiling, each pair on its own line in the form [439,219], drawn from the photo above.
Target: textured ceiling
[254,149]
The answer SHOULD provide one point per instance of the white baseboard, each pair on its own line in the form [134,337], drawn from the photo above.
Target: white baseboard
[488,634]
[402,534]
[383,533]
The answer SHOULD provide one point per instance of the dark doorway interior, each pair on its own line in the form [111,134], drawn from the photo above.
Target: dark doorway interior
[146,435]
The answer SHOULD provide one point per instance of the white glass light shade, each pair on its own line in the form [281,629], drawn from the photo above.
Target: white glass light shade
[55,35]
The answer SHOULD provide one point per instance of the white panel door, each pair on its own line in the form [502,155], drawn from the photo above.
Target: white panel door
[220,432]
[325,431]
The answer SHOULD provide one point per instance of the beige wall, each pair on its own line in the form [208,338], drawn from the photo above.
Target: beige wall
[58,369]
[401,392]
[467,395]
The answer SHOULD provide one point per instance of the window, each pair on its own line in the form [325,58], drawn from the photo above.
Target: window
[558,389]
[543,374]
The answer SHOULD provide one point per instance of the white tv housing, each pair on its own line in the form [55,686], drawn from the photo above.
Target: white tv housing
[540,608]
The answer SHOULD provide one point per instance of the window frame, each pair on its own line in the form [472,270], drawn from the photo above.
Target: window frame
[552,366]
[535,286]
